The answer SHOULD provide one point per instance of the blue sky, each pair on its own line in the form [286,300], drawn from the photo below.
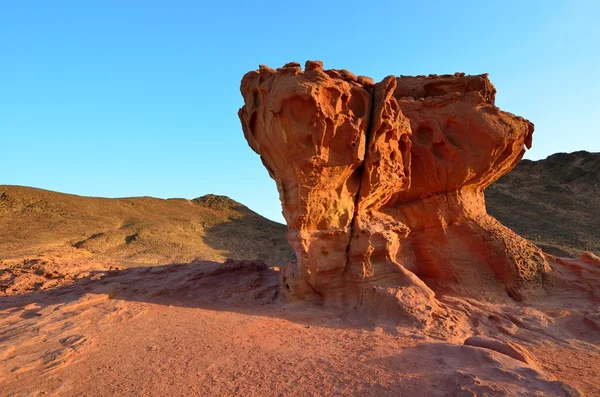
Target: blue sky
[130,98]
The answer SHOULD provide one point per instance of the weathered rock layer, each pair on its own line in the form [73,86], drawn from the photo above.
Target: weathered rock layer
[382,185]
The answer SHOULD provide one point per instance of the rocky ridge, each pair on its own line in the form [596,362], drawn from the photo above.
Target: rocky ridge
[135,231]
[553,202]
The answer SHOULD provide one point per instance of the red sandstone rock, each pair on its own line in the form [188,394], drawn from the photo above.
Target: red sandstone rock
[461,144]
[510,349]
[310,130]
[381,185]
[590,258]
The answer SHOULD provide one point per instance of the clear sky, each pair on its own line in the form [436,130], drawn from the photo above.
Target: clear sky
[128,98]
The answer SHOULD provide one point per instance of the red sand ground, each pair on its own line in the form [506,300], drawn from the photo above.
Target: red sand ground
[71,327]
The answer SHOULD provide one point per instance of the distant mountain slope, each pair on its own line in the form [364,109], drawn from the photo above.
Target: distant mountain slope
[555,202]
[140,230]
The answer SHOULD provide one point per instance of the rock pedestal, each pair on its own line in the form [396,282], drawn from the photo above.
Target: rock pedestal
[381,185]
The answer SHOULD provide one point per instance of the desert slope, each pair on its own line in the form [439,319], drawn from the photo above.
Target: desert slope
[555,202]
[136,231]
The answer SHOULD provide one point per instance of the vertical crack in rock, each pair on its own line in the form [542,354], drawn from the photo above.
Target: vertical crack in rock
[376,281]
[382,184]
[359,172]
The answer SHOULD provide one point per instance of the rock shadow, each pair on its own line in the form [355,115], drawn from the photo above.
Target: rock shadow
[470,371]
[268,242]
[247,287]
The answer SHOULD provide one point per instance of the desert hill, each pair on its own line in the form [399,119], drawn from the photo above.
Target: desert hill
[135,231]
[555,202]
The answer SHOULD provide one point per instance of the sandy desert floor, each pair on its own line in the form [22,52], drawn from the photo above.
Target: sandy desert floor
[78,327]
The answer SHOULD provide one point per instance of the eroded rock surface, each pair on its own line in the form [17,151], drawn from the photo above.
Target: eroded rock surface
[309,128]
[382,186]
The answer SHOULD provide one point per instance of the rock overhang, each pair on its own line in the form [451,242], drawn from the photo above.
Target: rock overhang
[381,184]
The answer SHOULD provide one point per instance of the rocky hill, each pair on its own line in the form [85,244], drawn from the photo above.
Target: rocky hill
[555,202]
[141,230]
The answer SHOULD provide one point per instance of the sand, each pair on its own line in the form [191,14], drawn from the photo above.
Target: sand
[77,327]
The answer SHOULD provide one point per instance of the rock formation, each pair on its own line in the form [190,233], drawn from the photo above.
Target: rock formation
[382,185]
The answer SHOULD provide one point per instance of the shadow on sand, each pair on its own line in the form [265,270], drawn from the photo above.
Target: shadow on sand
[250,237]
[247,287]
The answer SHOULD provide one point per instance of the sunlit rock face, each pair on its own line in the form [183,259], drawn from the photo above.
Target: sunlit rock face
[381,185]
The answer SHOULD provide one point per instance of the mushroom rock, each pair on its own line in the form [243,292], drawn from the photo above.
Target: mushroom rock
[382,186]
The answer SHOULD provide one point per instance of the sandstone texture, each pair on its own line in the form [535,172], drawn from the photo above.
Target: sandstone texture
[382,184]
